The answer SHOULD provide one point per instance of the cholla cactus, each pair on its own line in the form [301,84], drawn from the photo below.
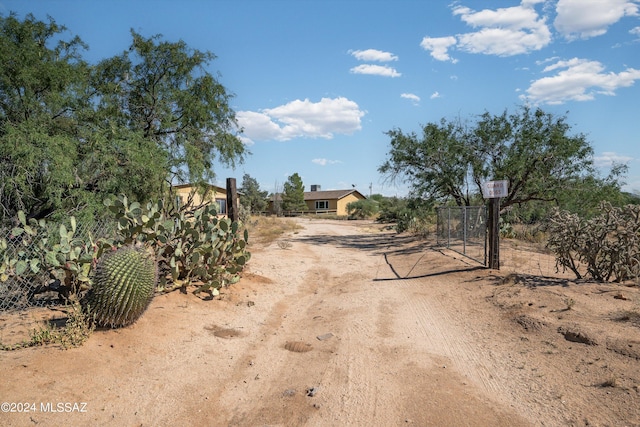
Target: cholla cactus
[603,248]
[123,286]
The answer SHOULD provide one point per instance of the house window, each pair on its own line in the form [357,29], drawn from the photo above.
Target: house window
[322,204]
[222,206]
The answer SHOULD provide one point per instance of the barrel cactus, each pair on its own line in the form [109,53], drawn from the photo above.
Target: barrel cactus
[123,286]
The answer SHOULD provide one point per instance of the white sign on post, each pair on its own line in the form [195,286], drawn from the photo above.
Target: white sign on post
[495,189]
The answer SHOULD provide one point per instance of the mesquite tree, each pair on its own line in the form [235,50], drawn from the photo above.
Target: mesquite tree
[533,150]
[73,133]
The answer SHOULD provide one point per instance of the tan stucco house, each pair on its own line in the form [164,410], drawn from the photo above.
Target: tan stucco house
[214,194]
[326,202]
[331,201]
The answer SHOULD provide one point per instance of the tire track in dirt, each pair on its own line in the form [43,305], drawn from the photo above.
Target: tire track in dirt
[443,335]
[351,392]
[374,370]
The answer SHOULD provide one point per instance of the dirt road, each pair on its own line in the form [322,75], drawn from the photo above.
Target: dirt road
[350,326]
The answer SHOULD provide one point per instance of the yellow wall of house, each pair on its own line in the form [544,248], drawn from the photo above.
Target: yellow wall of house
[342,203]
[213,195]
[339,207]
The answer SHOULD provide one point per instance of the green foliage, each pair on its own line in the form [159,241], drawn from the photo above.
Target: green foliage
[391,209]
[162,90]
[189,245]
[65,257]
[531,149]
[506,229]
[362,209]
[604,247]
[252,198]
[436,164]
[293,195]
[123,286]
[73,133]
[39,84]
[409,214]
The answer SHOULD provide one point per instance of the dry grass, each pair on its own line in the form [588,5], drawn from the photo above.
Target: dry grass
[267,229]
[530,234]
[75,329]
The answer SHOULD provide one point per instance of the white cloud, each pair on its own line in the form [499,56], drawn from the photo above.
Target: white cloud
[584,19]
[435,95]
[608,158]
[439,47]
[302,119]
[376,70]
[635,31]
[547,60]
[258,126]
[324,162]
[578,80]
[411,96]
[373,55]
[504,31]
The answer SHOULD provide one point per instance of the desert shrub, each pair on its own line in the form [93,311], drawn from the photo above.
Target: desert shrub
[362,209]
[605,247]
[415,216]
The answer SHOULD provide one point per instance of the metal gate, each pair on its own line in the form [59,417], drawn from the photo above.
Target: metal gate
[464,229]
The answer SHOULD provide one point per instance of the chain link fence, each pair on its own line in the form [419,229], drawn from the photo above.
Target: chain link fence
[463,229]
[21,293]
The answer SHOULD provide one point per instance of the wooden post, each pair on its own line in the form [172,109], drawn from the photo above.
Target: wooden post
[493,224]
[232,200]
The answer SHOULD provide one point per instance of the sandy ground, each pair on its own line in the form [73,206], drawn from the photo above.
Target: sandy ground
[350,326]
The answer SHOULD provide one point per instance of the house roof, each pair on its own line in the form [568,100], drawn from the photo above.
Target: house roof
[330,194]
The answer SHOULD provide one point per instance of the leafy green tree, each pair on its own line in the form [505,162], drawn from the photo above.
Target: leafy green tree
[293,195]
[72,133]
[531,149]
[436,164]
[252,198]
[162,90]
[39,86]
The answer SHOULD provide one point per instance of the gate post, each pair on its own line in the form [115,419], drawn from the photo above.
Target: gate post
[493,224]
[464,230]
[232,200]
[448,227]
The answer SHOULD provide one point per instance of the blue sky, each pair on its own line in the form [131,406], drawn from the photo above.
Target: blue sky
[318,83]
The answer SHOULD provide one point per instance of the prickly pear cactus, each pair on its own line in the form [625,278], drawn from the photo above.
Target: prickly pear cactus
[123,286]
